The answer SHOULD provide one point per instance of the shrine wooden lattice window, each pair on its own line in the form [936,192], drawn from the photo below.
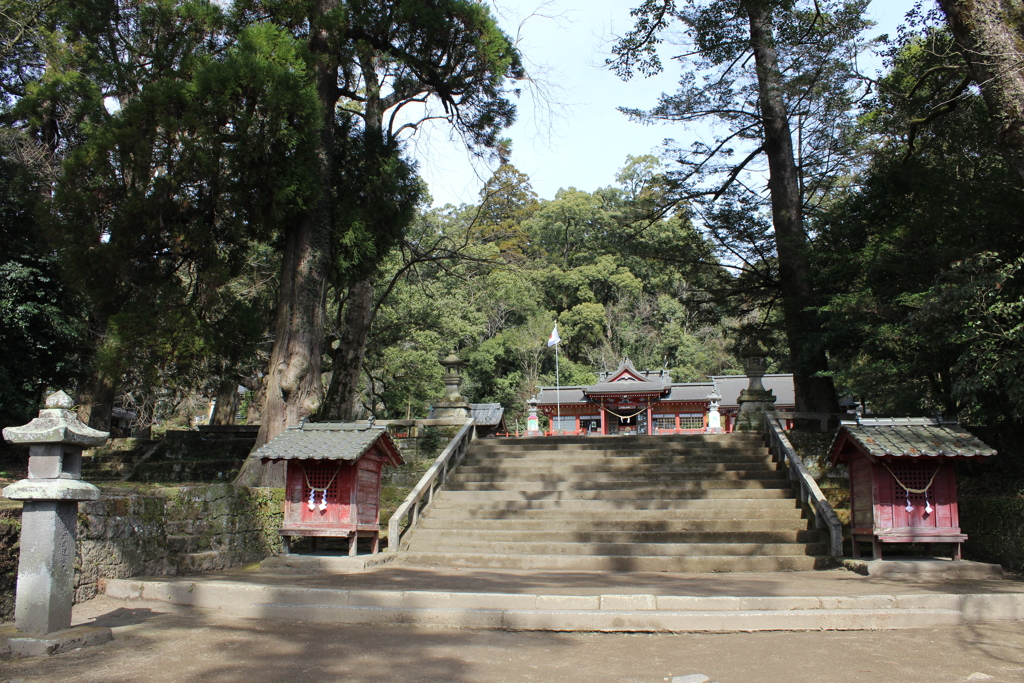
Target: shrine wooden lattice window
[914,476]
[691,420]
[665,421]
[321,480]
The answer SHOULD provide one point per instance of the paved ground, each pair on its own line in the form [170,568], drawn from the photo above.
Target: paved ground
[157,642]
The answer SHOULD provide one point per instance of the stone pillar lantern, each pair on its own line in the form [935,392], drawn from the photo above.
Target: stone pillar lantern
[452,404]
[714,417]
[755,399]
[532,420]
[50,495]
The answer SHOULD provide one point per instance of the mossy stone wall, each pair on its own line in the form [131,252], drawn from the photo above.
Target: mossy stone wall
[10,533]
[157,531]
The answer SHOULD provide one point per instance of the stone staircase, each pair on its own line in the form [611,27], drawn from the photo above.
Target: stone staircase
[116,460]
[690,503]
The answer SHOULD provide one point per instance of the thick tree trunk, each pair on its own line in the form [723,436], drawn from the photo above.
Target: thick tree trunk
[226,404]
[342,402]
[347,359]
[813,393]
[293,383]
[96,402]
[991,36]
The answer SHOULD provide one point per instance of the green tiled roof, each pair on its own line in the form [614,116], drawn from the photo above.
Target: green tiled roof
[323,441]
[916,440]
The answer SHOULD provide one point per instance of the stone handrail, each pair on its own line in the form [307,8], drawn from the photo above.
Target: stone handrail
[824,515]
[432,479]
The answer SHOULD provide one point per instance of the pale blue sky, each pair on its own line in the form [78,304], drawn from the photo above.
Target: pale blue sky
[583,142]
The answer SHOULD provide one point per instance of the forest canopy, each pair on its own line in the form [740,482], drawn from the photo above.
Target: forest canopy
[199,197]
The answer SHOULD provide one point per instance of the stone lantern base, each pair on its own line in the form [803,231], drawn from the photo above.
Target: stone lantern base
[14,643]
[753,405]
[447,409]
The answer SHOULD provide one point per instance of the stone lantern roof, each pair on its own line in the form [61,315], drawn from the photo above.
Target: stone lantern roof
[56,424]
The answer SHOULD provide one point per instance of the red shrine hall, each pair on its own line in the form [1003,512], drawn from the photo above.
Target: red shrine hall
[903,480]
[631,401]
[333,480]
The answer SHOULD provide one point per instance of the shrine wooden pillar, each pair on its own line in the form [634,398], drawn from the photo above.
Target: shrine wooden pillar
[604,420]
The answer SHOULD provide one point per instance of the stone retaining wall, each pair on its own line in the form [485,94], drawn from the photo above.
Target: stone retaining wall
[157,531]
[10,532]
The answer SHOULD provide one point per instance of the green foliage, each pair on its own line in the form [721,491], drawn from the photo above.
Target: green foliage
[42,327]
[978,306]
[617,286]
[904,323]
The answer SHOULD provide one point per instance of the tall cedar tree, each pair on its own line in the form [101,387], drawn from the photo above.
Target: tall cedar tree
[448,51]
[793,59]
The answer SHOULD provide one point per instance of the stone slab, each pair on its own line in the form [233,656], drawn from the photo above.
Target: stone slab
[13,643]
[926,569]
[339,564]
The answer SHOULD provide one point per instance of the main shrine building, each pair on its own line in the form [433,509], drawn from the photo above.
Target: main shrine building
[630,401]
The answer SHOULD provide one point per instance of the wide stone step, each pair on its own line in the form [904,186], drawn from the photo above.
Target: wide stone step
[619,563]
[560,455]
[782,521]
[459,535]
[616,609]
[613,496]
[556,465]
[612,508]
[624,549]
[614,470]
[655,485]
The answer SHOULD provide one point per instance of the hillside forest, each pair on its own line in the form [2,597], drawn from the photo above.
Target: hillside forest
[197,198]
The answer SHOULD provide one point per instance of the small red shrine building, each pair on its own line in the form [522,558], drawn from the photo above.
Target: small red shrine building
[903,480]
[631,401]
[333,480]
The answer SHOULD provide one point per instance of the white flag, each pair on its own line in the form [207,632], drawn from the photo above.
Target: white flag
[554,338]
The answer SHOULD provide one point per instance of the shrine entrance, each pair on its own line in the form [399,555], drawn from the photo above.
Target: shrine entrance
[627,420]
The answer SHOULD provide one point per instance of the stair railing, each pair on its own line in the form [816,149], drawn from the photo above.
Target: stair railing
[432,480]
[784,453]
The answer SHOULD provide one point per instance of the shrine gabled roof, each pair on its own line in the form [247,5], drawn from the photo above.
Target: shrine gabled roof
[486,414]
[327,441]
[630,386]
[907,439]
[547,395]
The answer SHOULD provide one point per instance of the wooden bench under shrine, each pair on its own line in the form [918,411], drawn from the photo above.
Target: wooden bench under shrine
[333,480]
[903,480]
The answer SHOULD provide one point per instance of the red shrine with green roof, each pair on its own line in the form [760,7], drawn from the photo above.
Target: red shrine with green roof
[333,478]
[903,480]
[631,401]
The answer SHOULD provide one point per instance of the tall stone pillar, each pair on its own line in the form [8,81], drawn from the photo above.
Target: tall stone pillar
[50,495]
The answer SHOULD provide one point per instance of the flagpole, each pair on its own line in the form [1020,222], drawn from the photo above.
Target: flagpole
[558,390]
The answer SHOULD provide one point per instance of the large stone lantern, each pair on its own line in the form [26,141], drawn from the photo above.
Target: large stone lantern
[755,399]
[533,420]
[452,404]
[50,496]
[714,416]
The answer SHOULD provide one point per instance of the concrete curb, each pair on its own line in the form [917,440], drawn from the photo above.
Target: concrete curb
[610,612]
